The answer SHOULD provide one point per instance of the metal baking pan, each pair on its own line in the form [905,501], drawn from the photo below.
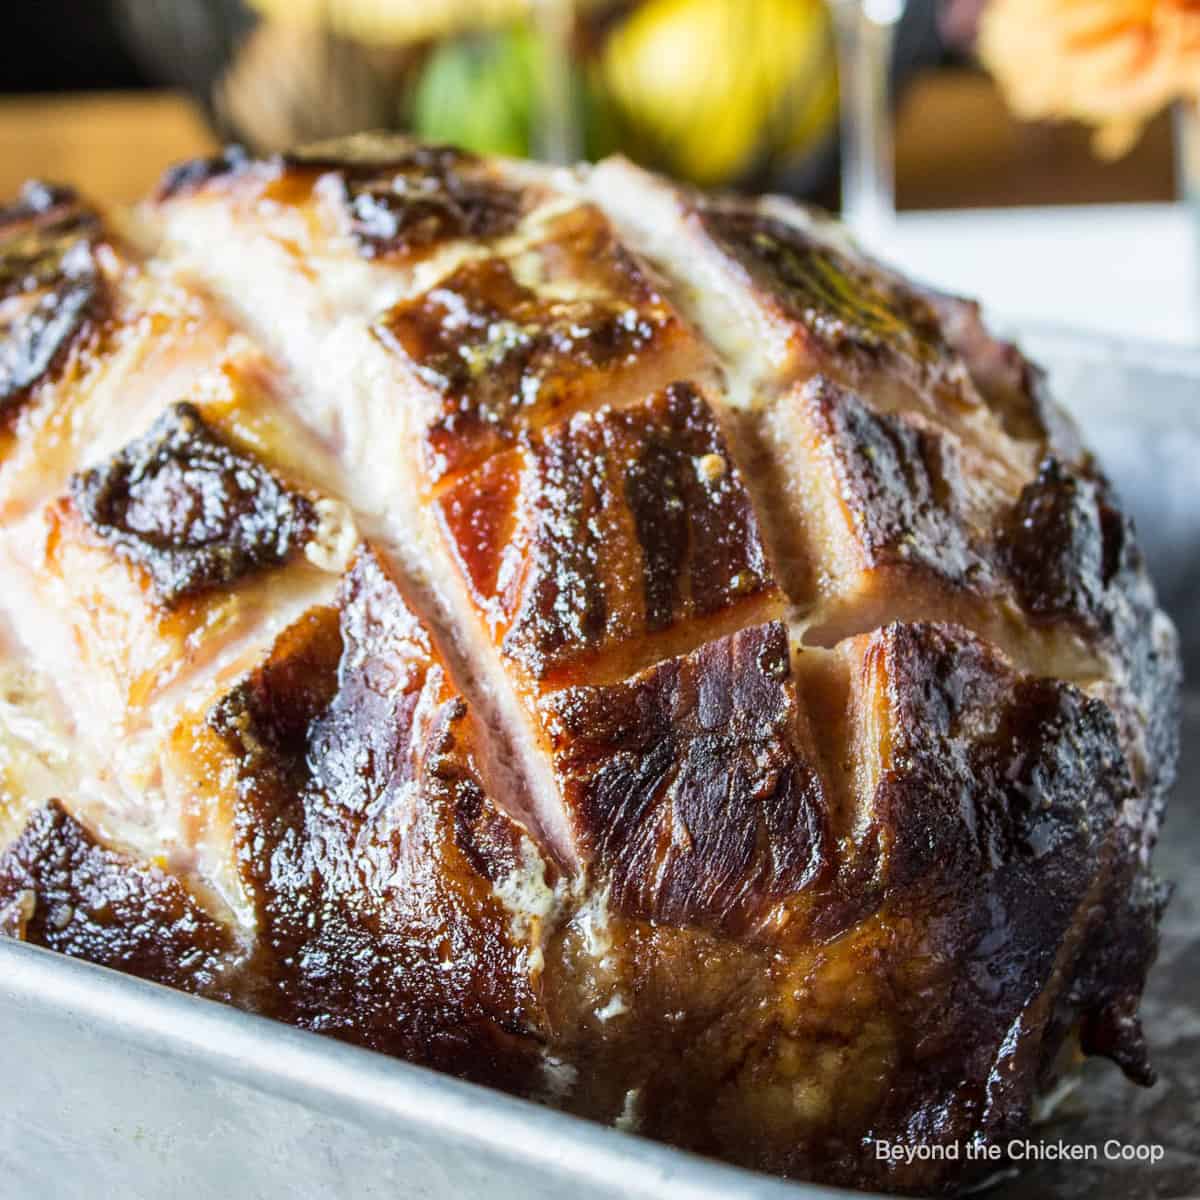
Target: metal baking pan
[115,1087]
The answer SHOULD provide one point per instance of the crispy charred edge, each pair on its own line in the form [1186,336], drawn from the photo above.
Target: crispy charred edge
[187,177]
[697,537]
[1072,557]
[1061,551]
[430,195]
[400,197]
[38,201]
[192,511]
[48,241]
[1108,990]
[845,305]
[1066,545]
[363,152]
[374,150]
[1004,889]
[370,849]
[1008,813]
[63,889]
[692,786]
[505,360]
[629,537]
[901,484]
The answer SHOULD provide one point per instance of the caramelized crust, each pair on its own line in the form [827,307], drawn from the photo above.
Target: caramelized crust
[186,177]
[921,982]
[887,516]
[426,195]
[845,318]
[902,488]
[1072,558]
[1003,806]
[134,564]
[373,857]
[397,201]
[512,344]
[51,290]
[163,557]
[188,508]
[694,785]
[748,720]
[62,889]
[1065,544]
[884,515]
[607,530]
[784,295]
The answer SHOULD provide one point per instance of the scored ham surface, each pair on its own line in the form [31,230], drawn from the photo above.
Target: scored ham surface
[611,643]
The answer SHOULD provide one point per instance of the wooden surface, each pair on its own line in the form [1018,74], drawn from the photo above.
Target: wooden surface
[113,146]
[956,146]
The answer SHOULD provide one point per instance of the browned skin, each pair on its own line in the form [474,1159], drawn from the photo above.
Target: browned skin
[191,510]
[397,211]
[847,318]
[173,547]
[51,291]
[368,845]
[608,533]
[1019,783]
[880,990]
[401,204]
[856,701]
[901,485]
[694,785]
[1072,557]
[504,356]
[991,822]
[60,888]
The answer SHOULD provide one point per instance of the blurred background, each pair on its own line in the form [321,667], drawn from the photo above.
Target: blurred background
[974,142]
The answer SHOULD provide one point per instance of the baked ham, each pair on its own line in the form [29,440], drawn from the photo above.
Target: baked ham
[610,643]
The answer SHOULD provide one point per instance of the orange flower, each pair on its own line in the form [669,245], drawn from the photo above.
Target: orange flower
[1110,63]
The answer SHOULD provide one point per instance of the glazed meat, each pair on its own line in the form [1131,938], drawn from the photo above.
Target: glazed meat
[614,644]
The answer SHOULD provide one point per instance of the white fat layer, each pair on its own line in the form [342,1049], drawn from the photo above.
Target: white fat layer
[332,545]
[615,1007]
[592,921]
[629,1118]
[36,761]
[531,903]
[523,891]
